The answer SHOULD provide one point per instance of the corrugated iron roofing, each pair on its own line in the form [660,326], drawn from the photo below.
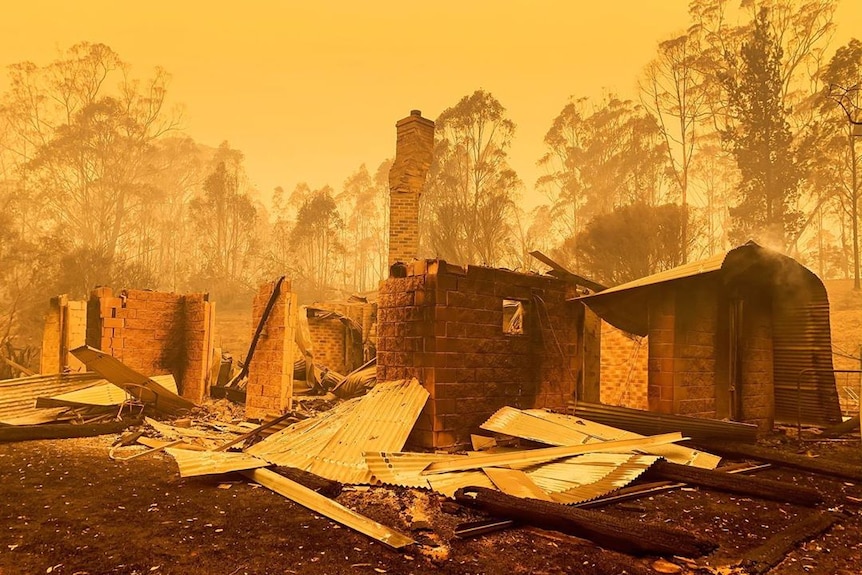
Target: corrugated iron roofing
[705,266]
[333,447]
[18,396]
[382,421]
[570,480]
[404,469]
[104,394]
[516,483]
[558,429]
[296,445]
[621,475]
[802,340]
[192,463]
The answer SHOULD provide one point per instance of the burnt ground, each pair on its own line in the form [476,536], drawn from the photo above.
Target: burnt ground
[66,508]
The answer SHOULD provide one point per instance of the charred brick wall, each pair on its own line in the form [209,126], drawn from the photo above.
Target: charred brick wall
[270,378]
[155,333]
[624,372]
[443,324]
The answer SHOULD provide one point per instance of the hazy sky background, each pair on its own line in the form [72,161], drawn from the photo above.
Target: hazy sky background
[311,90]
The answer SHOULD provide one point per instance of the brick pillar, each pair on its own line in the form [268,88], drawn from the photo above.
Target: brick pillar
[662,335]
[270,376]
[414,150]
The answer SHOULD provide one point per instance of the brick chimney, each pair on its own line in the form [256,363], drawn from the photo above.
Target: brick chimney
[414,150]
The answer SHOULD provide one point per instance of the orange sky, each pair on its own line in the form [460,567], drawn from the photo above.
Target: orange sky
[311,90]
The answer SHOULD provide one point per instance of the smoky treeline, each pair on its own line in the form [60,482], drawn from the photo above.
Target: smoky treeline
[740,130]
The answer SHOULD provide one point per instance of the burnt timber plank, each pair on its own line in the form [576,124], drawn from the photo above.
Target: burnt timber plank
[790,460]
[734,483]
[633,537]
[766,556]
[63,430]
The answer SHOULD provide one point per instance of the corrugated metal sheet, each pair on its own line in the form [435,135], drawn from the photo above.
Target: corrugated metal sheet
[172,432]
[39,416]
[524,458]
[647,422]
[18,396]
[297,444]
[449,483]
[193,463]
[104,394]
[802,340]
[379,421]
[137,384]
[624,306]
[382,421]
[558,429]
[623,472]
[700,267]
[402,469]
[570,480]
[516,483]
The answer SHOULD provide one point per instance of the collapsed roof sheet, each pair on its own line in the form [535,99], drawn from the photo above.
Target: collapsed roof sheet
[140,386]
[101,394]
[192,463]
[589,476]
[570,480]
[332,447]
[558,429]
[18,396]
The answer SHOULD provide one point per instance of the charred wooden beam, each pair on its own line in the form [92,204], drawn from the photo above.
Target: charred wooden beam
[763,558]
[63,430]
[314,482]
[634,537]
[789,460]
[849,426]
[735,483]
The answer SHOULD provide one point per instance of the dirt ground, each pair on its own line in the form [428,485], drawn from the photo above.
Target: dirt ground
[66,508]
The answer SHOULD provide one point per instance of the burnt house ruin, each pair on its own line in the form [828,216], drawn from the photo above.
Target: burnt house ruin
[743,335]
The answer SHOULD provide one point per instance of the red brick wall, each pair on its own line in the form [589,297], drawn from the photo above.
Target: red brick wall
[758,394]
[197,335]
[357,348]
[686,361]
[624,371]
[414,150]
[444,325]
[327,337]
[155,333]
[662,322]
[65,329]
[270,378]
[695,347]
